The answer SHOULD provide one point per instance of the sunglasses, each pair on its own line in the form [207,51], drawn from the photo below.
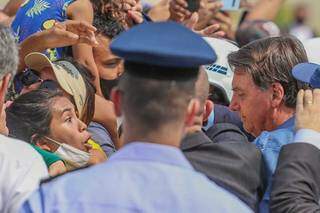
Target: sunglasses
[30,77]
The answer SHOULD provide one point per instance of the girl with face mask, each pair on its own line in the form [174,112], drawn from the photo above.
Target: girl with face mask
[48,120]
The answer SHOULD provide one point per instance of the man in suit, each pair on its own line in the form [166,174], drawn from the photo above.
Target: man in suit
[264,95]
[224,155]
[296,186]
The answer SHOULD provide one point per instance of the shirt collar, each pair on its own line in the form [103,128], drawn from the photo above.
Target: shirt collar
[144,151]
[287,124]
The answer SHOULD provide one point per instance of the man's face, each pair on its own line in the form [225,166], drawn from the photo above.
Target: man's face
[253,104]
[110,67]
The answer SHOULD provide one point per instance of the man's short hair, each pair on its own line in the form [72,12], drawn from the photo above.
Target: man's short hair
[8,52]
[150,103]
[271,60]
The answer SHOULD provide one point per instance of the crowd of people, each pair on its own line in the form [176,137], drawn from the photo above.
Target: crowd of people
[127,106]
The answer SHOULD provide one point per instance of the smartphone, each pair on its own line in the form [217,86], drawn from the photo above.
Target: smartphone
[230,5]
[193,5]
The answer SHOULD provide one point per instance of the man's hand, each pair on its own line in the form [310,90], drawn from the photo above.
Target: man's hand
[178,10]
[211,31]
[70,33]
[208,10]
[96,156]
[134,10]
[225,22]
[308,110]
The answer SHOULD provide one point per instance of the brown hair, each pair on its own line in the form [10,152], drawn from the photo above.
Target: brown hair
[271,60]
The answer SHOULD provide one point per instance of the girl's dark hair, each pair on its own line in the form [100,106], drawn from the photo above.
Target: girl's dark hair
[30,114]
[89,105]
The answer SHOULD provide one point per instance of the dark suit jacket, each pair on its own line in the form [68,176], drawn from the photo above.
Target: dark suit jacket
[228,160]
[296,184]
[223,114]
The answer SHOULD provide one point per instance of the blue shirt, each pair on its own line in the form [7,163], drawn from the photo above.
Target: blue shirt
[38,15]
[140,177]
[270,144]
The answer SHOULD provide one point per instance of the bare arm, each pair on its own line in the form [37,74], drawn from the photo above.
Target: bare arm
[12,7]
[265,10]
[62,34]
[82,10]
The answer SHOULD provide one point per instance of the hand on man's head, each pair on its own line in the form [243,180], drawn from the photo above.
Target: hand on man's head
[308,110]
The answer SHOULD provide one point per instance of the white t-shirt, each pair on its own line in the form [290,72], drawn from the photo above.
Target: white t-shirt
[21,169]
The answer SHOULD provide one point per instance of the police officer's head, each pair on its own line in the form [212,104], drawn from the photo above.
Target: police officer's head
[156,93]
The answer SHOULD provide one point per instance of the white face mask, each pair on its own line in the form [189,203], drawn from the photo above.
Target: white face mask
[73,156]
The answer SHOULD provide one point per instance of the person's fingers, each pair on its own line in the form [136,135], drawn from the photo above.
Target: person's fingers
[135,16]
[308,98]
[88,147]
[78,26]
[85,25]
[126,7]
[179,16]
[131,3]
[316,97]
[219,34]
[137,7]
[192,21]
[66,38]
[91,35]
[182,3]
[87,40]
[82,29]
[214,6]
[300,97]
[60,25]
[222,18]
[211,29]
[65,35]
[178,9]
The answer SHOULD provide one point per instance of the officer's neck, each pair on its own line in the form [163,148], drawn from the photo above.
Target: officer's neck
[167,135]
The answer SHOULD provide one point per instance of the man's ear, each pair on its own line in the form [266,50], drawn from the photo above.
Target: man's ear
[192,110]
[277,94]
[116,96]
[208,107]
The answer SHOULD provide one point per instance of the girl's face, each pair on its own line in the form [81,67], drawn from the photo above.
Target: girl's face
[65,127]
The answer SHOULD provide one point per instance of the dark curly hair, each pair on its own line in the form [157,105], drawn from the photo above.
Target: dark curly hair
[110,11]
[107,25]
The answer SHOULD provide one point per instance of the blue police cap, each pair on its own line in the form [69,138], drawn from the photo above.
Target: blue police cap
[308,73]
[164,44]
